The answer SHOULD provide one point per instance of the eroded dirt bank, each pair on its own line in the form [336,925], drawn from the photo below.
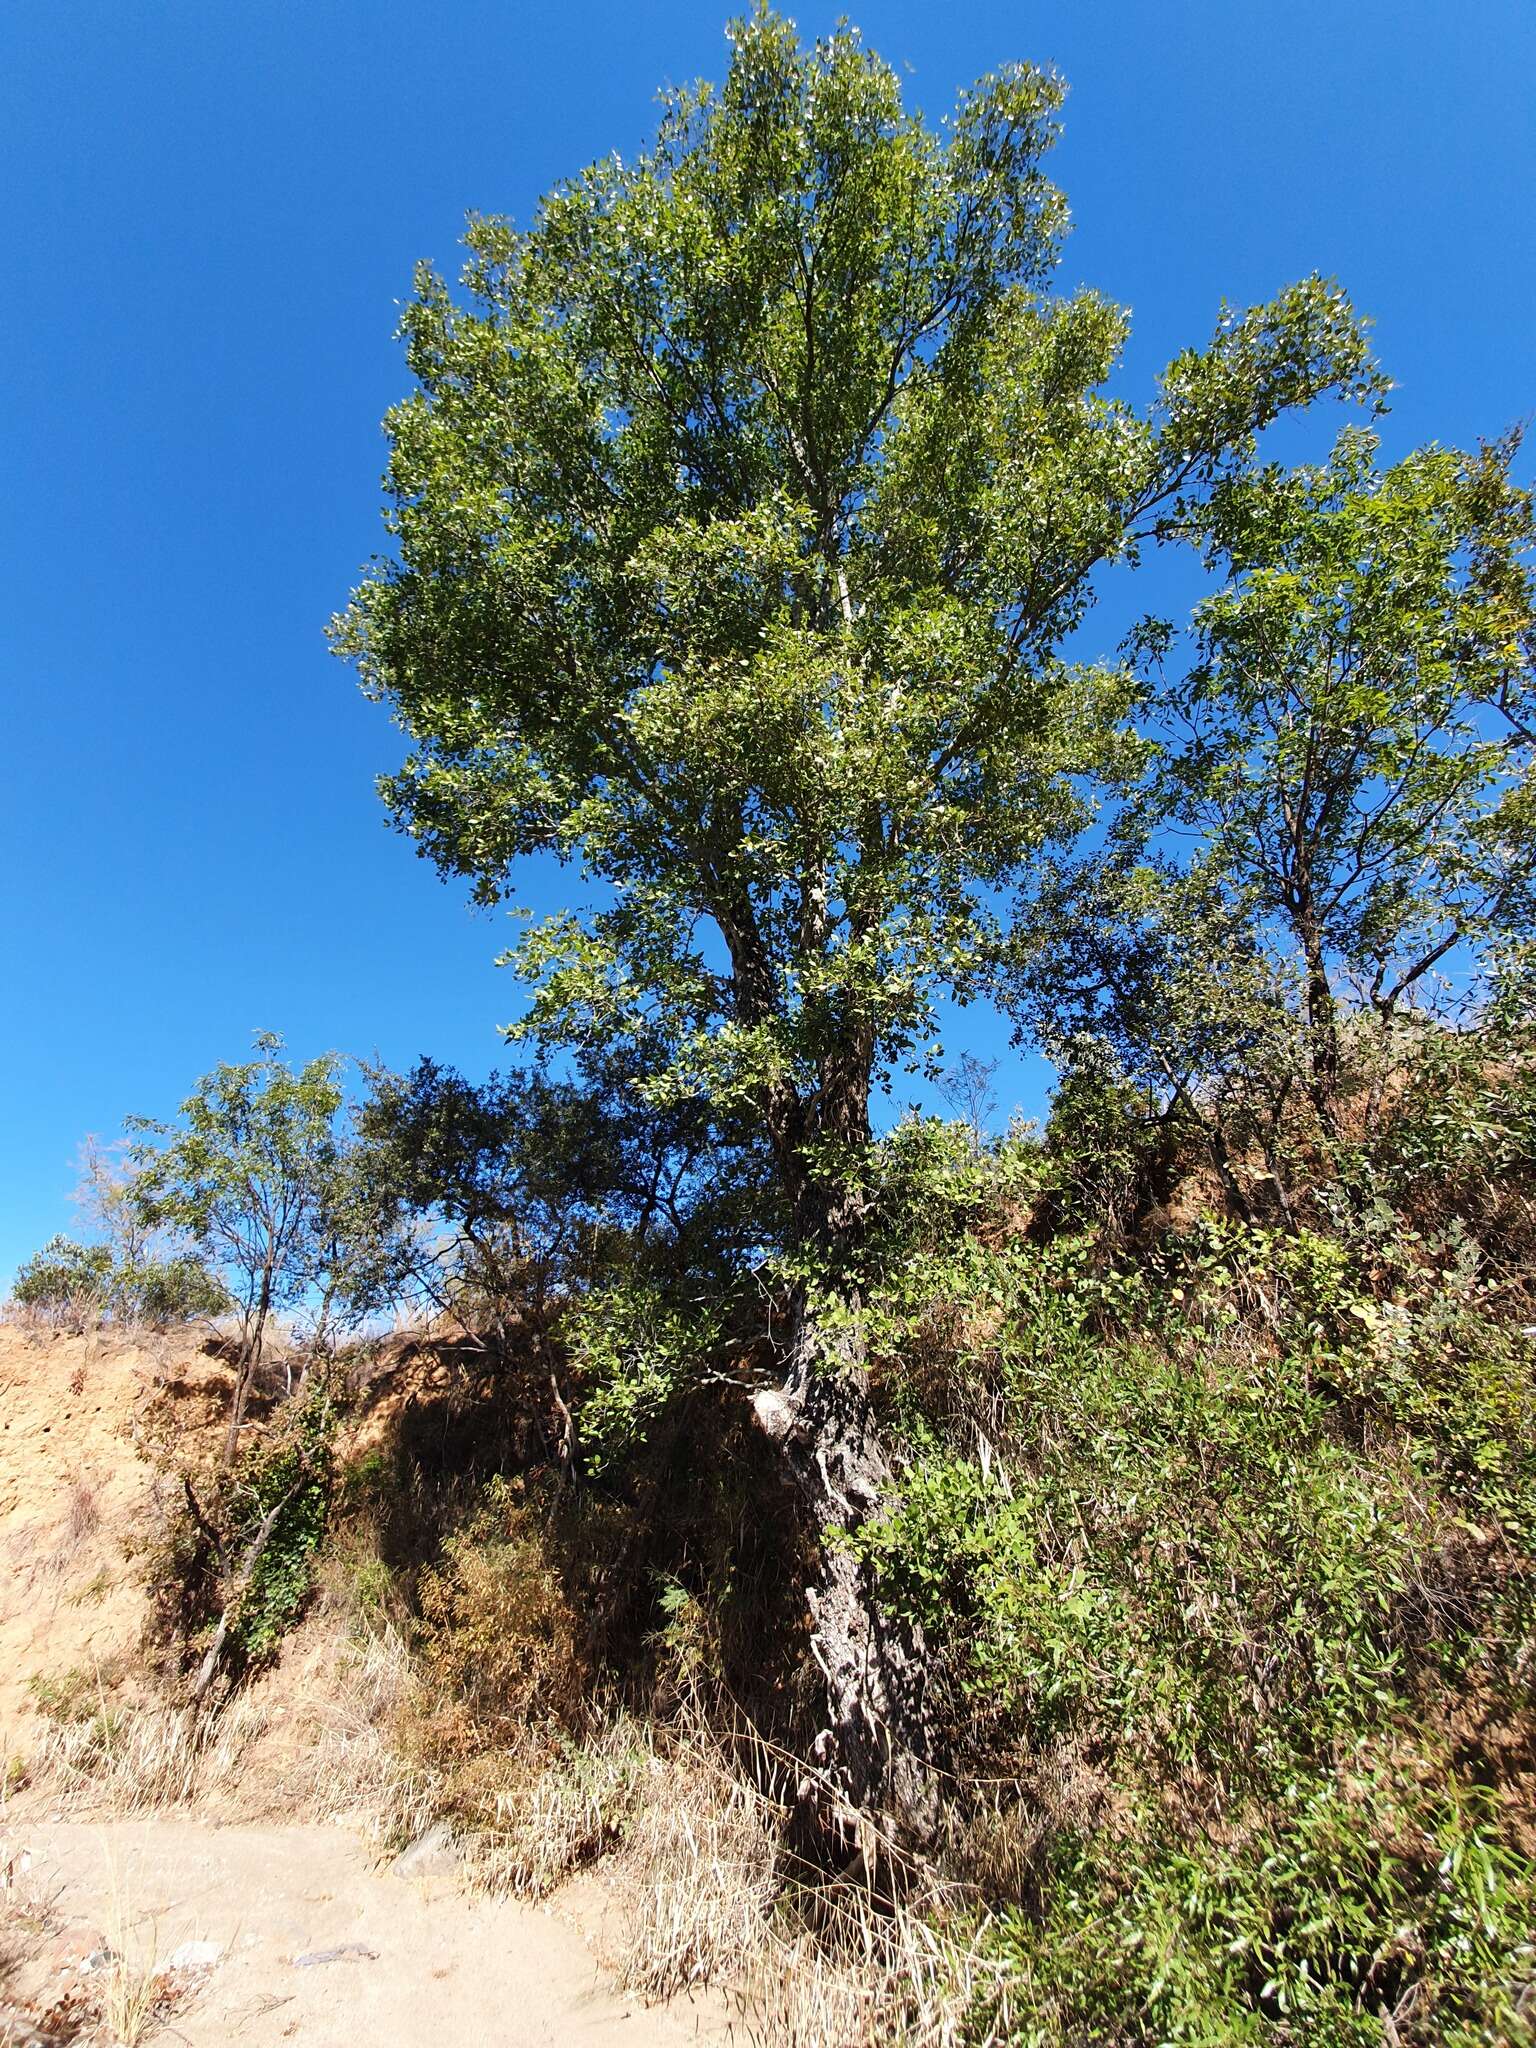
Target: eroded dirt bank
[241,1917]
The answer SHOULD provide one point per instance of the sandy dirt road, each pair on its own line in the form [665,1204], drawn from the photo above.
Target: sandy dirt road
[287,1933]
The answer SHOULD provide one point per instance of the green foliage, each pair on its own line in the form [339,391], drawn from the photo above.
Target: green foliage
[296,1467]
[257,1173]
[1462,1135]
[173,1290]
[741,511]
[1173,1532]
[202,1568]
[1375,1891]
[526,1184]
[65,1696]
[64,1275]
[635,1350]
[1220,1530]
[1359,717]
[84,1280]
[1347,765]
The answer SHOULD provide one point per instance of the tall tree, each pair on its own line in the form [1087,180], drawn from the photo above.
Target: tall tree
[739,513]
[1353,744]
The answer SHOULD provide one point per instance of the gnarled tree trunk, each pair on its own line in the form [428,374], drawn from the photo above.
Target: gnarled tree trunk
[871,1774]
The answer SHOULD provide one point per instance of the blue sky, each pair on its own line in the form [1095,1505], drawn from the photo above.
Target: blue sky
[212,211]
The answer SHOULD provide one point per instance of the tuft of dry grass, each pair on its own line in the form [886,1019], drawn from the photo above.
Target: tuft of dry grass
[546,1812]
[137,1993]
[355,1769]
[28,1898]
[131,1760]
[134,1995]
[699,1874]
[712,1896]
[875,1977]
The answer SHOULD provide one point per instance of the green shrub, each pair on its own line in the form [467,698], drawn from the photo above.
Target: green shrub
[1238,1522]
[86,1281]
[295,1468]
[1353,1896]
[65,1277]
[195,1570]
[175,1290]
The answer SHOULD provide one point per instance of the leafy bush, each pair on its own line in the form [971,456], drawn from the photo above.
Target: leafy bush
[1218,1536]
[296,1469]
[82,1282]
[1361,1907]
[65,1278]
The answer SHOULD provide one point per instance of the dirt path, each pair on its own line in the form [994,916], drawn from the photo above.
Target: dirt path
[288,1934]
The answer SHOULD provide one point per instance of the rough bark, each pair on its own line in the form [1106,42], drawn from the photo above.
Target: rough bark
[870,1773]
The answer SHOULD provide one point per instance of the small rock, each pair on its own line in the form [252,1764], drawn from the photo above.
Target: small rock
[194,1955]
[431,1852]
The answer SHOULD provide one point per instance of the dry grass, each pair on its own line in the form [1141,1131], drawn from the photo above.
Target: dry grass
[708,1897]
[711,1897]
[698,1872]
[132,1760]
[82,1519]
[122,2004]
[548,1812]
[694,1853]
[877,1977]
[136,1993]
[28,1899]
[354,1770]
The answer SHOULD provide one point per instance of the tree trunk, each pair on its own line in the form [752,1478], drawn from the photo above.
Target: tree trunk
[1322,1021]
[250,1358]
[871,1777]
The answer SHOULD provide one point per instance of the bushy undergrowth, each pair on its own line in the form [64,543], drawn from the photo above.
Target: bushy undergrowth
[1227,1536]
[1373,1900]
[1230,1505]
[1221,1533]
[79,1284]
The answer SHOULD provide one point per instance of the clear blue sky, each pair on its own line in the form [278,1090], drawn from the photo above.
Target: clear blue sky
[212,208]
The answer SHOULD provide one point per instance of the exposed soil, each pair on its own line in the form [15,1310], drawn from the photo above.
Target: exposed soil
[74,1496]
[395,1957]
[288,1934]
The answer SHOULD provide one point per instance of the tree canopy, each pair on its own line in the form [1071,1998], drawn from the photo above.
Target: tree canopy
[1334,828]
[740,513]
[257,1175]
